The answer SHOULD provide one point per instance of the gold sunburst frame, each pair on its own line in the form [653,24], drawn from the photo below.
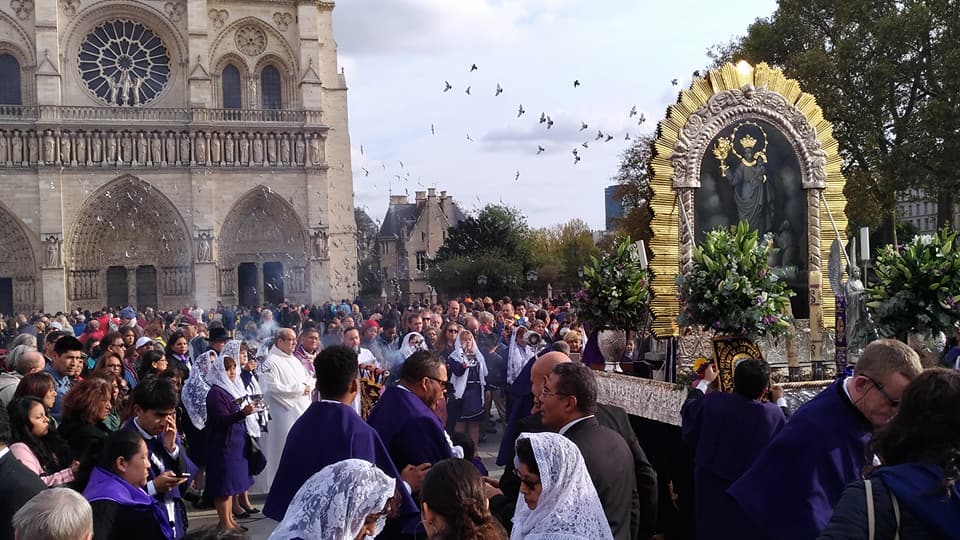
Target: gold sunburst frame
[725,96]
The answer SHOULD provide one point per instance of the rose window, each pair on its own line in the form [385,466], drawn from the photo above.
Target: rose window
[124,63]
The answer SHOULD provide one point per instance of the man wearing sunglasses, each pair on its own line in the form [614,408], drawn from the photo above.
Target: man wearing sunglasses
[790,491]
[404,415]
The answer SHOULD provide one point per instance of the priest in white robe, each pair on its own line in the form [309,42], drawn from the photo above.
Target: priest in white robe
[286,391]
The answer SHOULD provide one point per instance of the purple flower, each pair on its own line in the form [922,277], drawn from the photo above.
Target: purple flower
[717,325]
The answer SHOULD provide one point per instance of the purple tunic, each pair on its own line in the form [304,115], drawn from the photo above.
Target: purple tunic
[790,491]
[471,403]
[726,433]
[227,469]
[411,432]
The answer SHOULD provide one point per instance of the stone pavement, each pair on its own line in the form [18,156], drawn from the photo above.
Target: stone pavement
[260,527]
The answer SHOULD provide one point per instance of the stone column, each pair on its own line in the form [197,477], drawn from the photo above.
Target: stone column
[260,294]
[132,286]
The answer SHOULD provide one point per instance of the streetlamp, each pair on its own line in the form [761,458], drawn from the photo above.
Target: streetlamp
[482,282]
[531,277]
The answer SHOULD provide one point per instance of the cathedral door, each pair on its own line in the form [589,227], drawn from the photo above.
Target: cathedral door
[6,296]
[247,284]
[117,292]
[273,282]
[146,287]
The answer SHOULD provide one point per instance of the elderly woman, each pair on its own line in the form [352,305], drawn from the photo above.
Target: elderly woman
[86,407]
[347,500]
[229,411]
[557,498]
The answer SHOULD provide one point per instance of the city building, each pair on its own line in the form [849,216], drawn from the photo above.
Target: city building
[162,153]
[410,236]
[613,207]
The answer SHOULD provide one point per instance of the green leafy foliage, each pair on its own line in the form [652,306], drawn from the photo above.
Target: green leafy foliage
[732,288]
[616,290]
[917,286]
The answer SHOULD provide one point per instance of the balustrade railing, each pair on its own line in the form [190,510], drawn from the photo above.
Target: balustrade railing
[70,113]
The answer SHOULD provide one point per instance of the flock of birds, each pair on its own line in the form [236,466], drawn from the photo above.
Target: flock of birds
[545,121]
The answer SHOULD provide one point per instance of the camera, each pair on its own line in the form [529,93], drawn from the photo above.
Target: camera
[533,339]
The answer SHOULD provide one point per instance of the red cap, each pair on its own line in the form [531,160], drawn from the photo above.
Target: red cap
[370,323]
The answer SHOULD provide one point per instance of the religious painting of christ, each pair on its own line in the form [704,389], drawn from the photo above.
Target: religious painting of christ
[750,172]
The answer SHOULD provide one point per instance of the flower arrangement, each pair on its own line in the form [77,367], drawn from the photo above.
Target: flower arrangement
[616,289]
[917,286]
[732,289]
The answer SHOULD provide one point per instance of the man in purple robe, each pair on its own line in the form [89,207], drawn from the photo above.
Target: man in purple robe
[790,491]
[330,431]
[726,433]
[404,417]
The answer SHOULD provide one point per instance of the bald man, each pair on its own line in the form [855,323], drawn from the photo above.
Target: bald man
[644,511]
[286,391]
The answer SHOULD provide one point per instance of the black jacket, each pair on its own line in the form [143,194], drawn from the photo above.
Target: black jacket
[80,436]
[17,486]
[113,521]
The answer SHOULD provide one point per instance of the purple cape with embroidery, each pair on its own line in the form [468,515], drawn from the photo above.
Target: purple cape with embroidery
[790,491]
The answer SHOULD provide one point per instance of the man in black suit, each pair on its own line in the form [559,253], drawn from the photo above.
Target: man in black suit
[17,483]
[568,405]
[643,516]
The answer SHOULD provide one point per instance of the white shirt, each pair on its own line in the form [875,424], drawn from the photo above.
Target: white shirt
[572,423]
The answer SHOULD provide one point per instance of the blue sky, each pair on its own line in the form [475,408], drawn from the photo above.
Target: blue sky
[398,54]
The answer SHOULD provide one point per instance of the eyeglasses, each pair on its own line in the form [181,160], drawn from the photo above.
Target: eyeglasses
[893,402]
[121,344]
[451,330]
[531,484]
[447,385]
[547,392]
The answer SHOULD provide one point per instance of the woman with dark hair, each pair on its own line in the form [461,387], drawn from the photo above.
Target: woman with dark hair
[112,479]
[85,408]
[177,352]
[35,445]
[152,362]
[41,386]
[114,343]
[118,413]
[454,503]
[914,493]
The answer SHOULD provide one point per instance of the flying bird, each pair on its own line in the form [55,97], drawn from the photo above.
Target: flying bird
[520,111]
[549,122]
[468,138]
[540,150]
[633,111]
[583,126]
[576,159]
[447,86]
[643,118]
[473,68]
[361,149]
[585,144]
[365,171]
[674,81]
[599,135]
[576,152]
[468,90]
[627,138]
[543,117]
[432,130]
[401,164]
[499,90]
[517,177]
[609,138]
[576,83]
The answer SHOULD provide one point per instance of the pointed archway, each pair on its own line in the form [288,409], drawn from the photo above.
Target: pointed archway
[18,267]
[128,235]
[263,250]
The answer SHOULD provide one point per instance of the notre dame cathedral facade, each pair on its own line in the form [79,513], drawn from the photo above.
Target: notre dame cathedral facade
[172,152]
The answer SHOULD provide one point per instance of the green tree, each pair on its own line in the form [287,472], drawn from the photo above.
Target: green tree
[560,251]
[496,243]
[633,177]
[887,75]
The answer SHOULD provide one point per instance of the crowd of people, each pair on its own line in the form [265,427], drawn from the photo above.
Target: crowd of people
[359,423]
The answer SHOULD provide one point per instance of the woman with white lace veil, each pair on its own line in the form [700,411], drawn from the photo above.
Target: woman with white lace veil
[348,500]
[518,353]
[557,499]
[468,374]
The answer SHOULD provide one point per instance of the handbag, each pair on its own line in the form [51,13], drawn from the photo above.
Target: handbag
[256,461]
[872,513]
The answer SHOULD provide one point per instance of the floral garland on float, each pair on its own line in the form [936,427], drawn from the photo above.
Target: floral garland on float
[732,290]
[614,299]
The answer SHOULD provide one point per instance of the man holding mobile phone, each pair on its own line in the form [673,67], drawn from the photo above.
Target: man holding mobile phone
[154,409]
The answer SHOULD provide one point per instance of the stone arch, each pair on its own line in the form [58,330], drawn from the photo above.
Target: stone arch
[128,223]
[19,262]
[16,43]
[262,229]
[216,72]
[277,52]
[158,22]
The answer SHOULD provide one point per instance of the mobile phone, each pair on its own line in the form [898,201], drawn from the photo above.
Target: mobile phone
[182,475]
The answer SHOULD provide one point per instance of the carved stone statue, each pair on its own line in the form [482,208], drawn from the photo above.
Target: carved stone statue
[320,244]
[3,147]
[126,147]
[114,90]
[80,146]
[284,150]
[170,145]
[33,147]
[316,150]
[184,148]
[65,147]
[216,156]
[112,155]
[258,149]
[96,146]
[16,148]
[244,145]
[300,150]
[137,84]
[204,247]
[156,149]
[143,148]
[201,154]
[49,147]
[858,321]
[52,252]
[229,149]
[272,149]
[252,90]
[126,85]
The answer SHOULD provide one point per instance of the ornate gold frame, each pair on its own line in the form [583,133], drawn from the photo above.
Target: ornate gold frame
[725,96]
